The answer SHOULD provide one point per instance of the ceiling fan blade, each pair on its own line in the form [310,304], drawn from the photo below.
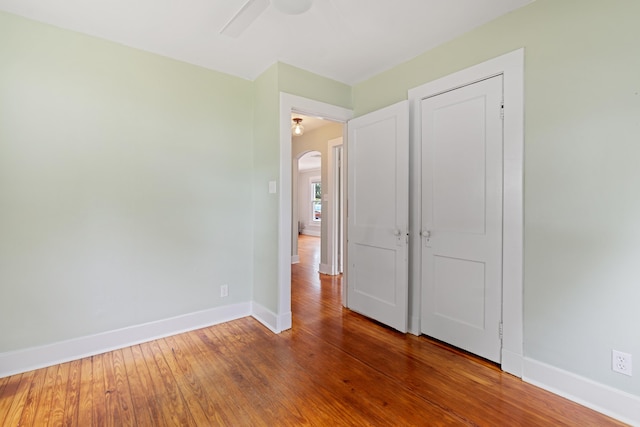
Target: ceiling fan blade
[292,7]
[245,17]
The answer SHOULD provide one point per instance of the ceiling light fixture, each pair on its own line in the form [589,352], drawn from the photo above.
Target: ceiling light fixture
[297,129]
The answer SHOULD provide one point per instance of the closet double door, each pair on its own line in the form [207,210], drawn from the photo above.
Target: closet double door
[460,234]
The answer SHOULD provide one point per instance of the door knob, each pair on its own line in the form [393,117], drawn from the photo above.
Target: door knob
[426,234]
[397,232]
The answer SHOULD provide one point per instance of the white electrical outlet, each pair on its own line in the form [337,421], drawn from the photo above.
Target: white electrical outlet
[224,291]
[621,362]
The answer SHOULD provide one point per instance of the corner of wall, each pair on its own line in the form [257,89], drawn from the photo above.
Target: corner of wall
[275,323]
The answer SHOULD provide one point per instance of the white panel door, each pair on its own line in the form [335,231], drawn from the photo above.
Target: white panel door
[462,217]
[378,215]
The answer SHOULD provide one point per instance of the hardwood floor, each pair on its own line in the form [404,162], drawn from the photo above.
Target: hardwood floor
[334,367]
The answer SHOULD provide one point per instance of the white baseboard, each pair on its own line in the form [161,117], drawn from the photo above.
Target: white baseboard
[308,232]
[285,321]
[599,397]
[295,259]
[327,269]
[511,363]
[265,316]
[19,361]
[270,319]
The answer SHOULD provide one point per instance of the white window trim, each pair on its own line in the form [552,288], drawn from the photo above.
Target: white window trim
[312,181]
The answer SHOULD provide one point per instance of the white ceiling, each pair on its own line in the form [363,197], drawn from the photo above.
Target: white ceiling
[346,40]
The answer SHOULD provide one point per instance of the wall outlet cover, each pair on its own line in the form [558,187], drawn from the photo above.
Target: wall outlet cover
[621,362]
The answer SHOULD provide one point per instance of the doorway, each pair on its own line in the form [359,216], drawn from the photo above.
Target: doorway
[307,194]
[288,104]
[316,194]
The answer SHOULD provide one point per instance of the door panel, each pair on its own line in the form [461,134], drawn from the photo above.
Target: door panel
[458,197]
[377,215]
[367,283]
[461,282]
[462,217]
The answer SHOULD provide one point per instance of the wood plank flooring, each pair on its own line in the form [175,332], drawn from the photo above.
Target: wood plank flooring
[333,367]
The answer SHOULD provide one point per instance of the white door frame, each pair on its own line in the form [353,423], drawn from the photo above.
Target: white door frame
[288,104]
[295,215]
[335,205]
[511,66]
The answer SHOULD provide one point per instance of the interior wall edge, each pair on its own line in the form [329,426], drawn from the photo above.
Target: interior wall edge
[276,323]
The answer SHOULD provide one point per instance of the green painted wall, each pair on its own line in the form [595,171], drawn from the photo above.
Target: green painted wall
[125,186]
[297,81]
[582,180]
[268,86]
[132,186]
[266,150]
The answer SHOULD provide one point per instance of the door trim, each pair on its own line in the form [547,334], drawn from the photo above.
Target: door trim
[288,104]
[511,66]
[335,206]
